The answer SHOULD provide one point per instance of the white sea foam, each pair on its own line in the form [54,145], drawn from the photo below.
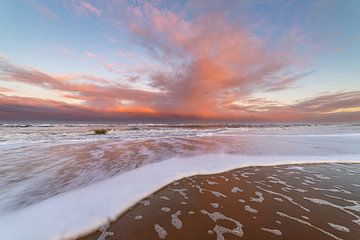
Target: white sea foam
[273,231]
[259,197]
[80,211]
[290,199]
[250,209]
[175,220]
[339,227]
[211,182]
[281,214]
[220,230]
[180,191]
[160,231]
[38,162]
[215,205]
[165,209]
[215,193]
[236,189]
[165,198]
[299,168]
[104,232]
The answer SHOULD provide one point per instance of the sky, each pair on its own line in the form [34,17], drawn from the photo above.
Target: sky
[180,61]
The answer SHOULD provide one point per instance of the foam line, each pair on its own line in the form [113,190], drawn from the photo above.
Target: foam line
[81,211]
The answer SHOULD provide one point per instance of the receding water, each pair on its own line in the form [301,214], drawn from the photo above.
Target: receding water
[41,161]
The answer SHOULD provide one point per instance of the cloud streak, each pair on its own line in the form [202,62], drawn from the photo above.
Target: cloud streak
[212,60]
[82,7]
[211,65]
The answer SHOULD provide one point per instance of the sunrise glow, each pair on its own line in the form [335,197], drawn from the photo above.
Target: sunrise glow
[241,61]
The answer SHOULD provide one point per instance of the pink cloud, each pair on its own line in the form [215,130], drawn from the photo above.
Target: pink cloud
[3,90]
[213,61]
[82,7]
[90,8]
[101,99]
[210,67]
[96,92]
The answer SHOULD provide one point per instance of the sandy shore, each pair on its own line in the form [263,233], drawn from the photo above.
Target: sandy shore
[313,201]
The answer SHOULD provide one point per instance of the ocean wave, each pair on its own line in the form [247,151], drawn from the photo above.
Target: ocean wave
[81,211]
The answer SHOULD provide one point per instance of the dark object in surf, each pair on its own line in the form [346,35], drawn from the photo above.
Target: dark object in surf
[100,131]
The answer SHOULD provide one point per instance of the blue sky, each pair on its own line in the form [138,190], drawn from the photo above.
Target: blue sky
[297,51]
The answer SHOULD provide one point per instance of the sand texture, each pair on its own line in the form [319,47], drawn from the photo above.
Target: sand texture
[313,201]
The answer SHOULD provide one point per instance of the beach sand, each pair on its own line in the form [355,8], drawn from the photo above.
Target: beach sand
[311,201]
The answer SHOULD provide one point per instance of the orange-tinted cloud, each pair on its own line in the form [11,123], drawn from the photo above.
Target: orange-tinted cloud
[212,60]
[211,67]
[3,90]
[255,110]
[95,92]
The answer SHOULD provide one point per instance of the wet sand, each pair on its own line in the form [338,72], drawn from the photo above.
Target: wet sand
[312,201]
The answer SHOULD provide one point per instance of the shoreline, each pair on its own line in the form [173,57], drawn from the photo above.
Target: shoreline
[88,208]
[265,202]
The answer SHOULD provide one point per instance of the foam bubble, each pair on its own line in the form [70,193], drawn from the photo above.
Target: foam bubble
[339,227]
[180,191]
[215,205]
[138,217]
[104,232]
[259,197]
[290,199]
[165,209]
[175,220]
[250,209]
[220,230]
[145,203]
[215,193]
[211,182]
[281,214]
[162,233]
[236,189]
[273,231]
[85,209]
[245,174]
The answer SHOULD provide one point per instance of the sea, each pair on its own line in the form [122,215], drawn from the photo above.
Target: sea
[62,180]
